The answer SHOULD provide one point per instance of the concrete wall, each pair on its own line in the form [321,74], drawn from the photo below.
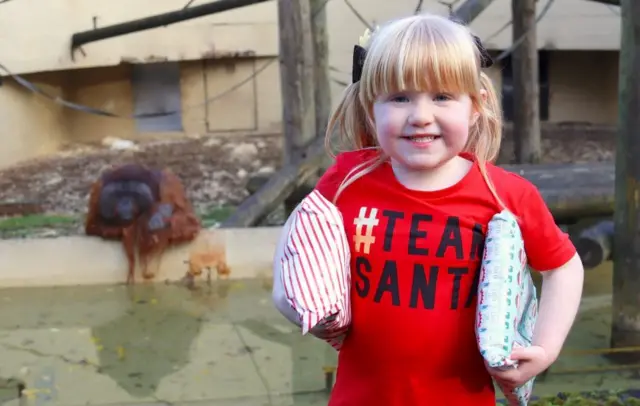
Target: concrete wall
[68,261]
[45,28]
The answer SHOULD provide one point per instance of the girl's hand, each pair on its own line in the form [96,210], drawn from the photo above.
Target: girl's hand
[531,362]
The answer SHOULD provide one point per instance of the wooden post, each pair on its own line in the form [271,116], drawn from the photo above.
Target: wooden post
[321,65]
[296,80]
[526,93]
[296,76]
[626,269]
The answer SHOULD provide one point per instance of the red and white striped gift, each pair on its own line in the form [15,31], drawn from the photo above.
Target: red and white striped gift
[315,269]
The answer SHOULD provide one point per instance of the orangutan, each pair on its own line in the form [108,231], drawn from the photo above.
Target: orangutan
[146,209]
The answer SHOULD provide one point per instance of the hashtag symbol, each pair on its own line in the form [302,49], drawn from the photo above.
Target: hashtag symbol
[366,239]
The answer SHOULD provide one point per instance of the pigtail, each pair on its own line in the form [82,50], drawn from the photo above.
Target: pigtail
[492,123]
[486,135]
[354,131]
[349,120]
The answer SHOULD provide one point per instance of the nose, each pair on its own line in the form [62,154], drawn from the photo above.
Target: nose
[422,114]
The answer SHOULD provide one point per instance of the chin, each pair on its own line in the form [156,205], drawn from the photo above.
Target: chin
[422,163]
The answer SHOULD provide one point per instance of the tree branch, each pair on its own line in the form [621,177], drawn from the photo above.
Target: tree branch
[609,2]
[470,9]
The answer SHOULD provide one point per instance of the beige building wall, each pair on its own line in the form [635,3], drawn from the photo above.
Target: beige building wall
[211,101]
[216,53]
[35,125]
[45,29]
[31,125]
[583,87]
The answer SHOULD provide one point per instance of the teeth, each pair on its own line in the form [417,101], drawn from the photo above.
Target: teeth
[423,139]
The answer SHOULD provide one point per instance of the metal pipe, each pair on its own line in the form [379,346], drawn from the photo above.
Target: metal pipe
[159,20]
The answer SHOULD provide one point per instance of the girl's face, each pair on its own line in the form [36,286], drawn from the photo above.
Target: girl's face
[421,130]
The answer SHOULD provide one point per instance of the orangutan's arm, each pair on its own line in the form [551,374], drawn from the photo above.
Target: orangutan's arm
[185,225]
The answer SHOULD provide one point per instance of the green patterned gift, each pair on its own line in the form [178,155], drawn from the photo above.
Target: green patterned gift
[507,303]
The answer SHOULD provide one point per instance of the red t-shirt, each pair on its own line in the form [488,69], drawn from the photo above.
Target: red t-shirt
[415,262]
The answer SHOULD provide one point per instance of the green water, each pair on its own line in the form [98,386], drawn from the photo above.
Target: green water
[162,344]
[222,344]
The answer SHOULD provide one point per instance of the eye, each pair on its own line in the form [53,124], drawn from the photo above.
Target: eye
[440,97]
[399,98]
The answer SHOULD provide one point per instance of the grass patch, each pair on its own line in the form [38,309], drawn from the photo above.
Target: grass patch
[22,226]
[215,215]
[595,398]
[37,221]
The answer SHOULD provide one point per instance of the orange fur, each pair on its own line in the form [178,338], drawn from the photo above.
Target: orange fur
[182,226]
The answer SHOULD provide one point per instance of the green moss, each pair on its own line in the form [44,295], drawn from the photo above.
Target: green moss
[606,398]
[215,215]
[37,221]
[30,225]
[25,225]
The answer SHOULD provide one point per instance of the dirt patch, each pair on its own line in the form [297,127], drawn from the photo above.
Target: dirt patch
[214,171]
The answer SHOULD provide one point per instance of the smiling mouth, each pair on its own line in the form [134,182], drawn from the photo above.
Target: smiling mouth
[421,138]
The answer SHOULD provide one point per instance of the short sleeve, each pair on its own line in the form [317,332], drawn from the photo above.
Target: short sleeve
[330,181]
[345,162]
[546,245]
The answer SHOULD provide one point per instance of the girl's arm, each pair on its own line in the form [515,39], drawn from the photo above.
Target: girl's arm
[278,294]
[559,302]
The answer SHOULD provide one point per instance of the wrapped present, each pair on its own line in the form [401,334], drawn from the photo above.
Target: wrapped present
[507,302]
[313,270]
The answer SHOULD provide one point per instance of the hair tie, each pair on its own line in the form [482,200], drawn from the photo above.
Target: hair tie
[359,53]
[486,61]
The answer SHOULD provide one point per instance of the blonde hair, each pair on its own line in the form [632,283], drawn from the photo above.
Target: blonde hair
[423,52]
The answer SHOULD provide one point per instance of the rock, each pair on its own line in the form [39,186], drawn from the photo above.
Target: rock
[54,180]
[50,233]
[244,153]
[266,170]
[212,142]
[119,144]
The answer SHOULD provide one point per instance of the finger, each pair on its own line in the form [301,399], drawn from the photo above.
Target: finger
[505,376]
[527,353]
[506,387]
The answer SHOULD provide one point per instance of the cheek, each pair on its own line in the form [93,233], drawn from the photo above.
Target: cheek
[386,124]
[457,126]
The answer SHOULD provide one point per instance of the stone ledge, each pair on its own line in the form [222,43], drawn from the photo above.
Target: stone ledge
[80,260]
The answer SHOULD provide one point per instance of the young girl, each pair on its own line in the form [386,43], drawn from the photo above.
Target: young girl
[416,192]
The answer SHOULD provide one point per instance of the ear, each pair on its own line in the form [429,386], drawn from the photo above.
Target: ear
[475,115]
[483,95]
